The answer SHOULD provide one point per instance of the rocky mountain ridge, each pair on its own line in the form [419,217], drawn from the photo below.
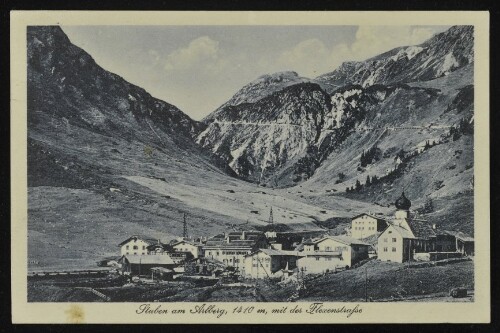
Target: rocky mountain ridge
[280,139]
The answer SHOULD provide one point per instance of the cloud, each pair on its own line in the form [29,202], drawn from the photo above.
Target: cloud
[312,57]
[202,54]
[372,40]
[307,57]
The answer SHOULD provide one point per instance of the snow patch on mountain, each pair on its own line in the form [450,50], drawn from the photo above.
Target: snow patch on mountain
[448,65]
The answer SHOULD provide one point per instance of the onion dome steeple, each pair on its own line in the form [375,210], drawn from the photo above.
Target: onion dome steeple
[403,203]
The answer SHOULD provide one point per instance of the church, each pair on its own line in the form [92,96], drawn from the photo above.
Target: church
[405,236]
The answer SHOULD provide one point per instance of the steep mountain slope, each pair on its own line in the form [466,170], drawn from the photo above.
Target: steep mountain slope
[440,55]
[260,88]
[257,139]
[107,160]
[405,117]
[419,138]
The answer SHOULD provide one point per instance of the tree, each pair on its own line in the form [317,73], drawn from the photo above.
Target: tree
[368,181]
[358,185]
[347,189]
[428,206]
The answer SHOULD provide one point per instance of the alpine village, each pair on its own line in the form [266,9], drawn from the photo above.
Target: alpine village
[353,186]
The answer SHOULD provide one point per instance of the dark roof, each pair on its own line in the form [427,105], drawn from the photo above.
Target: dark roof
[421,229]
[378,217]
[187,242]
[273,252]
[146,239]
[403,202]
[460,235]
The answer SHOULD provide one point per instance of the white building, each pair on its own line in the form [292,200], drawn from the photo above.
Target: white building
[268,263]
[136,245]
[196,249]
[330,252]
[366,225]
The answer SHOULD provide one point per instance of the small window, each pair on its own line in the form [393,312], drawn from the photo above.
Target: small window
[393,249]
[390,231]
[394,240]
[385,249]
[143,247]
[135,253]
[127,247]
[317,258]
[136,247]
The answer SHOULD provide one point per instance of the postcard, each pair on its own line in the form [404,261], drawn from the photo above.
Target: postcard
[250,167]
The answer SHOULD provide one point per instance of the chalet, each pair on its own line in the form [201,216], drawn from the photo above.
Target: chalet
[142,265]
[405,236]
[267,263]
[196,249]
[330,252]
[136,245]
[366,225]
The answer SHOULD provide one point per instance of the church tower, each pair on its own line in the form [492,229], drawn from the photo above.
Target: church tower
[403,205]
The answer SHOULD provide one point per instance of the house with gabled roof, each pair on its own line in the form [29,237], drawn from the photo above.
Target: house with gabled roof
[365,225]
[142,265]
[268,263]
[137,245]
[184,245]
[331,252]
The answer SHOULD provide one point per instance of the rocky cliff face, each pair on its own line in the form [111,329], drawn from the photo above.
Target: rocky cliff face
[278,131]
[258,139]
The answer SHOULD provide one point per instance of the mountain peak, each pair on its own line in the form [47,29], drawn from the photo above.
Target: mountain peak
[440,55]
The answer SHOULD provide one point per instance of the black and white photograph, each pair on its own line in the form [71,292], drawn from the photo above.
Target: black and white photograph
[251,164]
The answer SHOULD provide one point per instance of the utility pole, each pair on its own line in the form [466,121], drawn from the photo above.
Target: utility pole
[271,218]
[366,283]
[185,230]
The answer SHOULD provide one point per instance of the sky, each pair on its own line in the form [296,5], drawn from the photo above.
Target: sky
[198,68]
